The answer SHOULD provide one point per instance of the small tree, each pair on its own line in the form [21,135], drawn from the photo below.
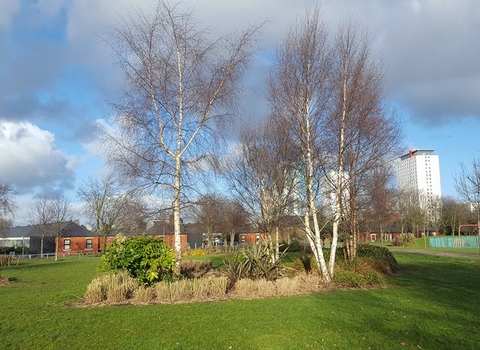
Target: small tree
[61,214]
[7,206]
[453,214]
[467,184]
[106,204]
[50,218]
[209,216]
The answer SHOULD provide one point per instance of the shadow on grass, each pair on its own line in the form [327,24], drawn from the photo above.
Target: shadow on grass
[437,304]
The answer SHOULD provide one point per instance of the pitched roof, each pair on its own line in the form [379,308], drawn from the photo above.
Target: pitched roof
[71,229]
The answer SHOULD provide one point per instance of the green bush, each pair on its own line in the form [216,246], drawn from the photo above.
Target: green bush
[381,254]
[145,258]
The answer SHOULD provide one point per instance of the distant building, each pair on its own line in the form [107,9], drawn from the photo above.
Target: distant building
[328,187]
[419,171]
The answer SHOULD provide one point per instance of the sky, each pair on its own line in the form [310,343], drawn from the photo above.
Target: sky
[57,77]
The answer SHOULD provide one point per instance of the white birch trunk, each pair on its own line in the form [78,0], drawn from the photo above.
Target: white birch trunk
[176,216]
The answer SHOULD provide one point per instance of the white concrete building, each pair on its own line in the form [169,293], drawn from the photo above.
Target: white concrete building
[419,171]
[328,188]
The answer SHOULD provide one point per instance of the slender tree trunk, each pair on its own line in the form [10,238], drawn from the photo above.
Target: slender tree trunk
[56,248]
[314,237]
[176,216]
[104,243]
[232,239]
[339,187]
[277,242]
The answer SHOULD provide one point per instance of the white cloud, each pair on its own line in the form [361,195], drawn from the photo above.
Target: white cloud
[30,160]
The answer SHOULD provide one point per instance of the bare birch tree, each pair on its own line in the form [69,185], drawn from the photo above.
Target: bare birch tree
[467,184]
[364,134]
[300,92]
[262,174]
[181,80]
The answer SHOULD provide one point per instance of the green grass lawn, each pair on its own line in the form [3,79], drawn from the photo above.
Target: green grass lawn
[431,304]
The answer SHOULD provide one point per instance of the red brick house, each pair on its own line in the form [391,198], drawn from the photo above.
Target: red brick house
[372,237]
[251,236]
[75,238]
[165,231]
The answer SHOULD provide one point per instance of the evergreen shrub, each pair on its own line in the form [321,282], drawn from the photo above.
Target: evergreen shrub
[381,254]
[145,258]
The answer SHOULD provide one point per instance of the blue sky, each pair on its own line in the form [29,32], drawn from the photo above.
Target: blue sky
[57,77]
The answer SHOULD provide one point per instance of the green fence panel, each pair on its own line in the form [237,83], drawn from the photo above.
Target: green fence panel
[453,242]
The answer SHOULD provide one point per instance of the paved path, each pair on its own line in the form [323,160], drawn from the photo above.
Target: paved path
[435,252]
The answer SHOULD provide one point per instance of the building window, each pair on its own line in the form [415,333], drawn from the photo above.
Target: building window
[243,239]
[373,237]
[89,243]
[66,244]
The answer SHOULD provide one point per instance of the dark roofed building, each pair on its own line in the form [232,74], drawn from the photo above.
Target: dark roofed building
[74,237]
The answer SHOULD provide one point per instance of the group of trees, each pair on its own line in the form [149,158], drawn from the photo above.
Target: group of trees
[50,217]
[221,215]
[326,116]
[327,131]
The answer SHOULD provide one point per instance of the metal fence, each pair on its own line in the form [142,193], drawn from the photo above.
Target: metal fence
[453,242]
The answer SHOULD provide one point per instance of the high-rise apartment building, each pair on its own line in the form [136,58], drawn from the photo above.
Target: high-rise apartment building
[419,171]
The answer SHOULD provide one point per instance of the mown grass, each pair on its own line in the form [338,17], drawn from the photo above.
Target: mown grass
[430,304]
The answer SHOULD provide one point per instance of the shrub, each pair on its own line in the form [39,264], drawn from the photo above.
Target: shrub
[7,260]
[256,262]
[260,288]
[189,290]
[382,255]
[348,278]
[236,268]
[145,258]
[111,287]
[404,239]
[143,295]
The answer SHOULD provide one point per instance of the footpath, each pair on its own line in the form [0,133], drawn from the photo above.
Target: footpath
[436,253]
